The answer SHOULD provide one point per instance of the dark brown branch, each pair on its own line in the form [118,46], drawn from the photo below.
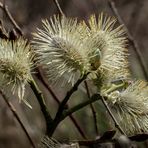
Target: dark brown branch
[92,108]
[41,101]
[80,106]
[80,130]
[131,39]
[3,33]
[58,6]
[8,14]
[41,78]
[62,105]
[11,107]
[109,138]
[106,137]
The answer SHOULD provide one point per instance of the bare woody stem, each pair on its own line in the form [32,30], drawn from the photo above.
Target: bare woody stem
[8,14]
[41,78]
[58,6]
[11,107]
[41,101]
[112,116]
[62,105]
[92,100]
[131,39]
[92,108]
[72,110]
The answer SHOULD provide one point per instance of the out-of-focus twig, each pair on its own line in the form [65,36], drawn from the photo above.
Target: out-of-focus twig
[43,106]
[8,14]
[42,79]
[92,108]
[131,39]
[112,116]
[58,6]
[3,33]
[13,110]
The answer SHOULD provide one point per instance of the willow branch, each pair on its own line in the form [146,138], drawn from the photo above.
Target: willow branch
[68,95]
[62,105]
[58,6]
[112,116]
[131,39]
[11,19]
[41,78]
[92,108]
[44,109]
[72,110]
[45,83]
[13,110]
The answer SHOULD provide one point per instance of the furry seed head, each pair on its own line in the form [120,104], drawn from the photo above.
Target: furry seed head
[109,42]
[60,48]
[16,63]
[130,107]
[69,49]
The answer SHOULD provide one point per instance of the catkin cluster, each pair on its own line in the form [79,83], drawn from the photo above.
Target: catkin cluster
[68,49]
[16,65]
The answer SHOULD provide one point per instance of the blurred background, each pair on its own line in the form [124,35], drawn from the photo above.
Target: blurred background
[28,14]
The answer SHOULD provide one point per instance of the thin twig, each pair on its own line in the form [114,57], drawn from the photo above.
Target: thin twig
[62,105]
[45,83]
[112,116]
[92,108]
[41,78]
[41,100]
[107,137]
[58,6]
[13,110]
[92,143]
[68,95]
[131,39]
[3,33]
[8,14]
[80,130]
[80,106]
